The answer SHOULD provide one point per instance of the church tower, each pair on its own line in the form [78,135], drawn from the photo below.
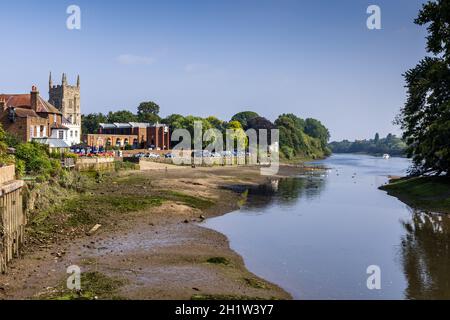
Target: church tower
[66,98]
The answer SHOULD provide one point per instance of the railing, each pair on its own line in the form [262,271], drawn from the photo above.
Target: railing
[12,217]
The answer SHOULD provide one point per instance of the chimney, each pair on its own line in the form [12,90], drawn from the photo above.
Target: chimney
[2,103]
[34,96]
[50,82]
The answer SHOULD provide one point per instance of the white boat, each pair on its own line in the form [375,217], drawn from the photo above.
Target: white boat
[386,156]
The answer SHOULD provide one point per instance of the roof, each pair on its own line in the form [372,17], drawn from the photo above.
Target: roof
[119,125]
[24,101]
[140,124]
[66,121]
[107,125]
[58,126]
[122,125]
[52,142]
[23,113]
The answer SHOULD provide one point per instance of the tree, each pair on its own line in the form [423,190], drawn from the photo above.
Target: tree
[294,142]
[90,122]
[316,129]
[392,145]
[121,116]
[239,136]
[217,123]
[148,112]
[174,121]
[425,118]
[377,138]
[243,117]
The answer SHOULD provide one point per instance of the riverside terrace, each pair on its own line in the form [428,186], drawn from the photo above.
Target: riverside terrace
[134,134]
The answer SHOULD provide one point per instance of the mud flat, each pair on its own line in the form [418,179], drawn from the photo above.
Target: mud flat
[151,246]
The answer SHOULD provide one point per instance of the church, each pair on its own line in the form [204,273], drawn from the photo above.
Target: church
[56,122]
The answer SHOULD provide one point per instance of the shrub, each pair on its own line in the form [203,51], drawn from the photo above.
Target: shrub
[288,152]
[20,168]
[35,158]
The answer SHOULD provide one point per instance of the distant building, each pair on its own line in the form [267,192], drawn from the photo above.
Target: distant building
[66,98]
[134,134]
[29,116]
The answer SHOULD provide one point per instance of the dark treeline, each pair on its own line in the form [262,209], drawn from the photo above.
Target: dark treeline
[425,118]
[299,138]
[377,146]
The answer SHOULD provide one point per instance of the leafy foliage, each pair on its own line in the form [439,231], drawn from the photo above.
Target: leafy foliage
[296,142]
[148,112]
[425,118]
[298,137]
[243,117]
[391,145]
[121,116]
[37,160]
[90,122]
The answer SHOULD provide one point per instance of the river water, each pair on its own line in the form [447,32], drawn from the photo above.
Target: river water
[315,235]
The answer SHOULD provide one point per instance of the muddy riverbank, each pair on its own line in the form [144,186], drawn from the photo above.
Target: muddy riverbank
[152,251]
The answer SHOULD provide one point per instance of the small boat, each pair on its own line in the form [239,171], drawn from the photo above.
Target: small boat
[386,156]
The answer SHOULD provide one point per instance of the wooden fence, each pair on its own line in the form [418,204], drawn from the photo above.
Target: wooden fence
[12,217]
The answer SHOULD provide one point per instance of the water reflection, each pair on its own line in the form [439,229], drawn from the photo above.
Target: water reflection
[426,256]
[282,192]
[316,234]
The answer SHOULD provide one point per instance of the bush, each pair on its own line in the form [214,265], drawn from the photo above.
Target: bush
[288,152]
[70,155]
[35,158]
[20,168]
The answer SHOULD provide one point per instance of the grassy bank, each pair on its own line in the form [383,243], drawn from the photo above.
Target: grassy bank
[104,199]
[426,193]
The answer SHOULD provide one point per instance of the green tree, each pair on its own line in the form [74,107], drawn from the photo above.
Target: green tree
[316,129]
[148,112]
[392,145]
[121,116]
[243,117]
[174,121]
[294,142]
[425,118]
[90,122]
[377,138]
[217,123]
[36,159]
[240,138]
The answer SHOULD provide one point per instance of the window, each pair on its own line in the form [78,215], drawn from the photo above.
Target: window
[61,134]
[38,131]
[71,133]
[42,130]
[76,133]
[31,132]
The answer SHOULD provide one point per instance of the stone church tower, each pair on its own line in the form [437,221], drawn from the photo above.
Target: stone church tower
[66,98]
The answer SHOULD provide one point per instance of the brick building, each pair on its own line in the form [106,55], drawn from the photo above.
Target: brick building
[29,116]
[135,134]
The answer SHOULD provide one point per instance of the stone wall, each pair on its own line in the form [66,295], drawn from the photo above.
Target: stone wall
[95,164]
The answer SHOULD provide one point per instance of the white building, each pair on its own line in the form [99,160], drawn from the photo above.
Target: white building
[73,134]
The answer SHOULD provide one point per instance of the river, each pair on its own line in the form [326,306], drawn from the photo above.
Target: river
[315,235]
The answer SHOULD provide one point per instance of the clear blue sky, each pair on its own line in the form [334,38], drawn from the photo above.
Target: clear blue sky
[314,58]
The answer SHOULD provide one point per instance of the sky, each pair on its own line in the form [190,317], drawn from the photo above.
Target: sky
[313,58]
